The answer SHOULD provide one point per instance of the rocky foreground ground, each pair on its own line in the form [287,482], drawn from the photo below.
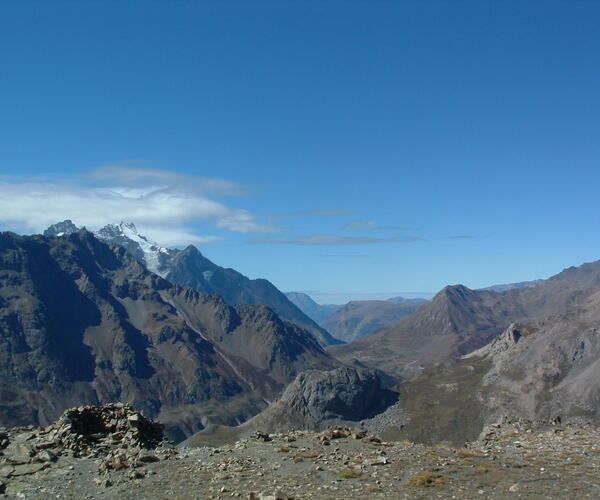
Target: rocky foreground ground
[114,452]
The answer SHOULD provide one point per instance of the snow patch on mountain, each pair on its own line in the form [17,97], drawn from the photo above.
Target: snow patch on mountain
[149,251]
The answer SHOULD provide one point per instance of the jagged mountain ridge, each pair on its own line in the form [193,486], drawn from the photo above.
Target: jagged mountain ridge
[509,286]
[82,321]
[190,268]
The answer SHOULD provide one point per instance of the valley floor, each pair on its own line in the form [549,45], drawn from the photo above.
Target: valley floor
[511,460]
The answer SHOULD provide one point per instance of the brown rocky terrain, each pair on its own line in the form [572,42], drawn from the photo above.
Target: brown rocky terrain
[83,322]
[521,459]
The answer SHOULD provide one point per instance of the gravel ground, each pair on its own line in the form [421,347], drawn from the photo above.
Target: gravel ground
[511,460]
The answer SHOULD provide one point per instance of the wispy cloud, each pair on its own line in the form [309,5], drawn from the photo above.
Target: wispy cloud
[111,175]
[372,226]
[394,228]
[460,237]
[163,204]
[320,212]
[332,239]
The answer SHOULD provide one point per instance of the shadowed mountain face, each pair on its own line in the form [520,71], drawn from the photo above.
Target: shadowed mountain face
[82,322]
[459,320]
[191,269]
[361,317]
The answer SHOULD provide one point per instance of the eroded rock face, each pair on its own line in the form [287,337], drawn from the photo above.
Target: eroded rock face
[347,393]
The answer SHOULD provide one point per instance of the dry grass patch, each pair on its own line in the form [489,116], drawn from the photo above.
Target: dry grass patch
[348,473]
[428,479]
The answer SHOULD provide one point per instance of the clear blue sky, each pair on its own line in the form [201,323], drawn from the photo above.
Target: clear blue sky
[374,147]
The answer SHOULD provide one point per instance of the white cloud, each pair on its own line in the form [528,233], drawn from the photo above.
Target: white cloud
[162,204]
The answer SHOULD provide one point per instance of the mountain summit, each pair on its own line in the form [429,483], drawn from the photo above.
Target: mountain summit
[125,234]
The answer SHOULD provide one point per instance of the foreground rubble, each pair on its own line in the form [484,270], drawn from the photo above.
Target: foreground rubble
[114,452]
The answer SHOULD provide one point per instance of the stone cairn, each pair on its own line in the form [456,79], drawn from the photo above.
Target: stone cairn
[116,434]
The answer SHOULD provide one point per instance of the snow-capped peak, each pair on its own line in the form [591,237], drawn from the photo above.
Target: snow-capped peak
[139,245]
[127,235]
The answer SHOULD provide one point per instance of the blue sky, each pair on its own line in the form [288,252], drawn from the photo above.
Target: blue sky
[346,148]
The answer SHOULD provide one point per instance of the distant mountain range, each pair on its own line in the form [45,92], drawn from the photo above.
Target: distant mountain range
[83,321]
[362,317]
[317,312]
[190,268]
[357,318]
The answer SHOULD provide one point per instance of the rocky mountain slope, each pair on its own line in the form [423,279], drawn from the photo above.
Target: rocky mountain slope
[459,320]
[361,317]
[317,312]
[82,321]
[191,269]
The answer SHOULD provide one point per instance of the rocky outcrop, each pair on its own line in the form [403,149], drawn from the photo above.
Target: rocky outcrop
[315,400]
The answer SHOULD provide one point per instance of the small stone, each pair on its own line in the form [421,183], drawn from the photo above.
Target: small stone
[514,488]
[103,482]
[137,474]
[46,456]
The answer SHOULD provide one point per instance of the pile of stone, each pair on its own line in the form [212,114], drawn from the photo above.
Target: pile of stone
[339,433]
[89,429]
[116,434]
